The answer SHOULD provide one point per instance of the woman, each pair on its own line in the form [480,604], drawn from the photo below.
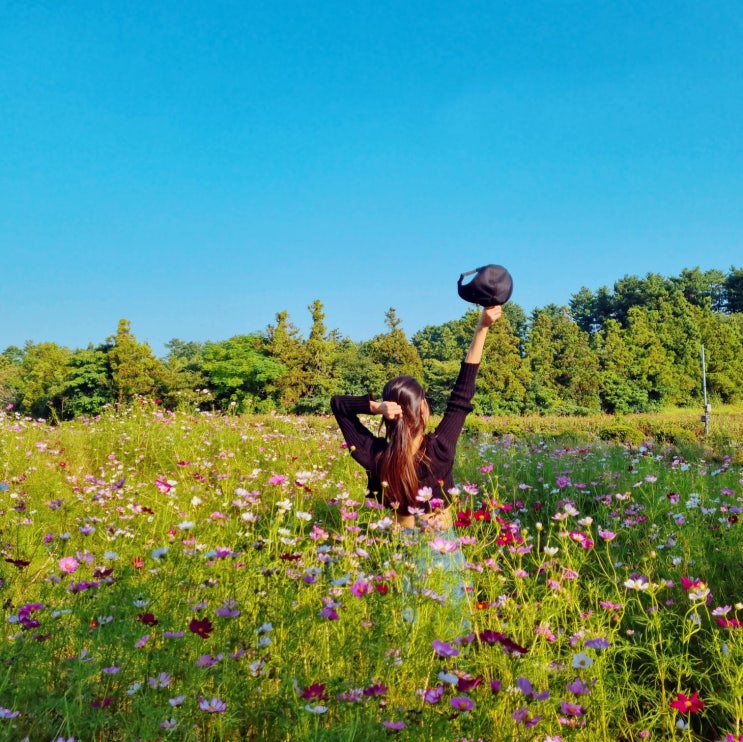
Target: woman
[407,468]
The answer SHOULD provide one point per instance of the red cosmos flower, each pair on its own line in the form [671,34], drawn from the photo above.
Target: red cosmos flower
[19,563]
[464,685]
[201,627]
[316,691]
[496,637]
[482,515]
[688,704]
[382,588]
[148,619]
[138,562]
[464,519]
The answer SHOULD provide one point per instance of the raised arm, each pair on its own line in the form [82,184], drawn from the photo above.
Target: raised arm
[488,316]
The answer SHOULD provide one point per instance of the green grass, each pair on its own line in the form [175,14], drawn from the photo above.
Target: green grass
[236,561]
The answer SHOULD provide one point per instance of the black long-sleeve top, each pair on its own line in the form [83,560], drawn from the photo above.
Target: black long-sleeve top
[440,446]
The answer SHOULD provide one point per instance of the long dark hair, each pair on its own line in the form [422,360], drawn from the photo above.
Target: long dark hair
[398,462]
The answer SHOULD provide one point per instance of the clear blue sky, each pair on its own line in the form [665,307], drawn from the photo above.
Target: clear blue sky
[196,167]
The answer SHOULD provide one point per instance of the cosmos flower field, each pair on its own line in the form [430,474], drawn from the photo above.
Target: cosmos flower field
[208,577]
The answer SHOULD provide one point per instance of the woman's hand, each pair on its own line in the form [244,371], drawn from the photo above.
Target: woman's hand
[490,315]
[389,410]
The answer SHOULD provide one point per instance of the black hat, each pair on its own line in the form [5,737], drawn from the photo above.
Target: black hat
[492,285]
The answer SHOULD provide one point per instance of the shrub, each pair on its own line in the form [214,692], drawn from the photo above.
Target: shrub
[623,432]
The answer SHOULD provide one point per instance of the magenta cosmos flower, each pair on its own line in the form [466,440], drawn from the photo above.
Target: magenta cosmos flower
[443,649]
[687,704]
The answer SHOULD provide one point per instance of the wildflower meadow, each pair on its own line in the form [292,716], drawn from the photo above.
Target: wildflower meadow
[199,576]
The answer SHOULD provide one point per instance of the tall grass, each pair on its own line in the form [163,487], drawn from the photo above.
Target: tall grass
[205,577]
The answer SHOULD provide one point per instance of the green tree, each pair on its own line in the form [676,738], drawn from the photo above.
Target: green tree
[504,374]
[318,383]
[182,382]
[632,291]
[284,345]
[43,371]
[11,378]
[86,387]
[677,324]
[653,362]
[441,349]
[591,310]
[519,324]
[734,291]
[702,289]
[351,369]
[621,385]
[135,369]
[723,344]
[390,354]
[564,368]
[240,374]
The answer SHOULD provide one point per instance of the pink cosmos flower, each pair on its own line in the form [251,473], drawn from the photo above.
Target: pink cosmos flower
[206,660]
[581,538]
[442,545]
[462,703]
[522,715]
[433,695]
[526,688]
[164,485]
[215,706]
[579,688]
[598,643]
[571,709]
[424,494]
[163,680]
[68,565]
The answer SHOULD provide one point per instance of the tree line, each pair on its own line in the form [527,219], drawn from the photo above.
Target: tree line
[633,348]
